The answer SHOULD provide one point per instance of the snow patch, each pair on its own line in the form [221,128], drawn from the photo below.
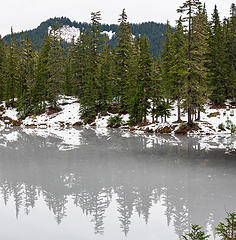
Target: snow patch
[67,33]
[110,34]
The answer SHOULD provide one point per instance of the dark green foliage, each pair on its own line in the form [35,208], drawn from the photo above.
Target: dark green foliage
[114,122]
[162,109]
[195,82]
[3,49]
[55,67]
[217,57]
[92,42]
[153,31]
[123,54]
[229,27]
[139,103]
[156,90]
[105,80]
[198,62]
[42,76]
[26,81]
[196,234]
[11,72]
[37,35]
[178,69]
[166,61]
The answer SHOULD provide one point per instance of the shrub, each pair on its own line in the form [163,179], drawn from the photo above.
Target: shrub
[230,126]
[115,121]
[221,127]
[196,234]
[233,129]
[227,230]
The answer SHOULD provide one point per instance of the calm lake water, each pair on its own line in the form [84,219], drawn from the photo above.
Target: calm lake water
[111,187]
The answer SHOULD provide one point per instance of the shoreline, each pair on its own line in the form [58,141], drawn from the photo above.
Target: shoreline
[69,117]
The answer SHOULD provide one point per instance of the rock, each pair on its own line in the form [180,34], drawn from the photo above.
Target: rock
[77,124]
[166,129]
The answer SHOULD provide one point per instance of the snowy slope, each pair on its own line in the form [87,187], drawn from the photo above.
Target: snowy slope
[67,33]
[63,125]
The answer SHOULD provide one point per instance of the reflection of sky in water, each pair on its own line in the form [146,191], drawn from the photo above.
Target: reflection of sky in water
[110,186]
[71,138]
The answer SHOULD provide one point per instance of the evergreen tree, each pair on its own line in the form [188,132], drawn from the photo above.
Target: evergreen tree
[200,36]
[123,53]
[177,71]
[69,88]
[27,79]
[92,43]
[229,27]
[144,80]
[11,72]
[133,86]
[78,54]
[3,49]
[196,49]
[157,91]
[42,76]
[166,61]
[105,79]
[55,66]
[217,57]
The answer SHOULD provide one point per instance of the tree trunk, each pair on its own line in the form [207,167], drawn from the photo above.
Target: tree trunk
[179,111]
[190,121]
[198,115]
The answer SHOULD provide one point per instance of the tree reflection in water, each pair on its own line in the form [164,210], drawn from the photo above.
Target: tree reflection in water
[194,186]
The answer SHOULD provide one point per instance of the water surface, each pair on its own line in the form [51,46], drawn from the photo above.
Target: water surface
[111,186]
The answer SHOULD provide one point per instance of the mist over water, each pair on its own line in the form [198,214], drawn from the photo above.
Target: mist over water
[111,187]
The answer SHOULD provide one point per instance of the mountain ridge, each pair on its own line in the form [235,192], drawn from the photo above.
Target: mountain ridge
[153,31]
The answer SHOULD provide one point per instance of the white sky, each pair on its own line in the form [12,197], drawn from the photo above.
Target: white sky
[28,14]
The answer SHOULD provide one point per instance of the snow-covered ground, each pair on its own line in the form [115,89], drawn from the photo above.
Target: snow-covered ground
[64,126]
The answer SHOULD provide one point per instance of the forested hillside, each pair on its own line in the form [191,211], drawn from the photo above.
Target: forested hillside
[153,31]
[197,66]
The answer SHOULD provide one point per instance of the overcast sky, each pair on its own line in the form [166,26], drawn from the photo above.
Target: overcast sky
[28,14]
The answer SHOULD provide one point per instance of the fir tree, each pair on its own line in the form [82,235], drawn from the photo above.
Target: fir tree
[105,79]
[133,85]
[200,36]
[69,88]
[157,91]
[27,79]
[217,57]
[122,57]
[92,43]
[55,66]
[11,72]
[166,61]
[194,85]
[78,54]
[177,71]
[3,49]
[229,27]
[144,78]
[42,76]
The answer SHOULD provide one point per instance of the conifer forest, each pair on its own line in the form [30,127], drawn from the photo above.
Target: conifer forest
[122,131]
[197,65]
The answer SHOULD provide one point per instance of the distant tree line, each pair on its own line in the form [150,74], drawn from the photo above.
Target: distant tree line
[197,64]
[153,31]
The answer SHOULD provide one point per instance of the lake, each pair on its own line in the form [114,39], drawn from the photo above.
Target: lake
[112,185]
